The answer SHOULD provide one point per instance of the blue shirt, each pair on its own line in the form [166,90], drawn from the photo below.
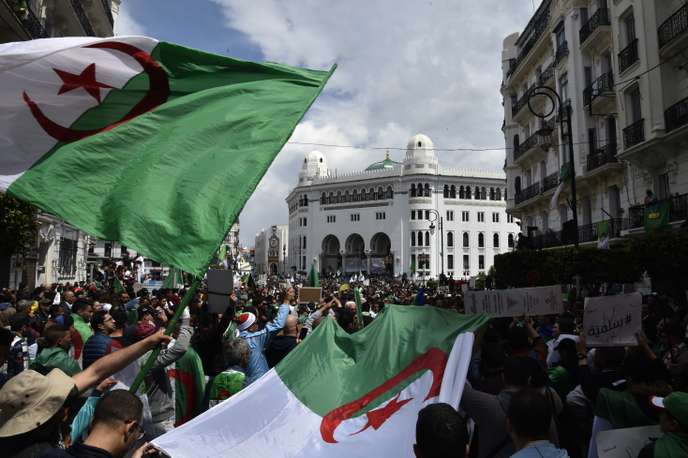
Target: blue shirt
[257,364]
[540,449]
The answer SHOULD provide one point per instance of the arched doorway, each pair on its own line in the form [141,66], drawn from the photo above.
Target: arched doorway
[354,255]
[273,269]
[330,258]
[381,260]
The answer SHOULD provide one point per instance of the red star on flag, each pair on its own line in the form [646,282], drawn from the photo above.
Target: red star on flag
[86,80]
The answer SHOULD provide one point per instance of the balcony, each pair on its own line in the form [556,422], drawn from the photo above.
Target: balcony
[634,134]
[587,233]
[550,182]
[628,56]
[546,76]
[534,31]
[600,96]
[597,25]
[676,115]
[521,103]
[31,24]
[673,28]
[528,193]
[540,139]
[562,51]
[678,211]
[601,157]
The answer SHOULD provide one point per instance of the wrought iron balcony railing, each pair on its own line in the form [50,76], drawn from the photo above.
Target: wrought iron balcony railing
[603,84]
[676,25]
[634,134]
[600,18]
[628,56]
[602,156]
[676,115]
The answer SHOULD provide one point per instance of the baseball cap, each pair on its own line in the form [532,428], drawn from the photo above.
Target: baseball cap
[30,399]
[676,404]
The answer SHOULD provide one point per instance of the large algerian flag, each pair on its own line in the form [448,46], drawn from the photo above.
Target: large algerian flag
[339,394]
[189,386]
[148,143]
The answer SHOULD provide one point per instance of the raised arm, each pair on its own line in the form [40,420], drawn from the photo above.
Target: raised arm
[116,361]
[280,320]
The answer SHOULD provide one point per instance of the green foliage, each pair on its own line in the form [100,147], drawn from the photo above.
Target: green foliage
[662,254]
[18,225]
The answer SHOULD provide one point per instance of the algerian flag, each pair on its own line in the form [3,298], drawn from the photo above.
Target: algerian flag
[119,289]
[172,278]
[339,394]
[86,120]
[313,279]
[564,176]
[189,386]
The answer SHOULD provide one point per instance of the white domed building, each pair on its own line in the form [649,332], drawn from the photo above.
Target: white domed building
[395,217]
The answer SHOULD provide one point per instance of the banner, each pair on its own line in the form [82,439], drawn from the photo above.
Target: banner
[544,300]
[308,294]
[612,321]
[657,215]
[622,443]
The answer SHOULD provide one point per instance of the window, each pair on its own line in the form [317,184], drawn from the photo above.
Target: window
[509,218]
[420,238]
[413,214]
[635,113]
[450,261]
[426,190]
[498,194]
[331,219]
[492,194]
[481,262]
[468,192]
[380,215]
[481,240]
[450,215]
[413,190]
[427,238]
[466,243]
[67,256]
[452,192]
[450,239]
[464,216]
[462,193]
[446,191]
[413,261]
[477,193]
[466,262]
[483,193]
[629,28]
[413,238]
[389,193]
[481,217]
[305,222]
[355,217]
[510,240]
[427,214]
[304,242]
[564,87]
[495,217]
[495,240]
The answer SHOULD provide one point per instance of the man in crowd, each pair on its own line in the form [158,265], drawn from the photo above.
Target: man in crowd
[233,379]
[440,433]
[55,355]
[23,347]
[281,344]
[257,338]
[100,343]
[82,311]
[116,427]
[529,421]
[68,298]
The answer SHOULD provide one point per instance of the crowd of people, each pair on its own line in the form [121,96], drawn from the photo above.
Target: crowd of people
[69,354]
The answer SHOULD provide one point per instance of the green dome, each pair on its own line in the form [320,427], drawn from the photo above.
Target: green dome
[384,164]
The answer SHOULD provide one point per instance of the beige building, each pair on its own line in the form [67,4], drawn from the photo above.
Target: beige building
[618,63]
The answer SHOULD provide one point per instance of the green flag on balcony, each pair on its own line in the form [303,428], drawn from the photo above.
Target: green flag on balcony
[564,177]
[656,215]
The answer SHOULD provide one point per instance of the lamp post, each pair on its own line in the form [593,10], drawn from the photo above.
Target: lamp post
[565,114]
[439,217]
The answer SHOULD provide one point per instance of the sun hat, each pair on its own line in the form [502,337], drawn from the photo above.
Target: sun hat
[30,399]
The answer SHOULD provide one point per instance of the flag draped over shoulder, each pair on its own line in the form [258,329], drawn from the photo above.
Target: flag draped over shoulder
[89,123]
[189,386]
[340,394]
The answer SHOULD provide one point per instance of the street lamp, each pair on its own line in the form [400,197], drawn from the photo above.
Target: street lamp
[565,113]
[439,217]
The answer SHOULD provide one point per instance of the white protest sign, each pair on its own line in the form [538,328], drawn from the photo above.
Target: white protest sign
[544,300]
[612,321]
[622,443]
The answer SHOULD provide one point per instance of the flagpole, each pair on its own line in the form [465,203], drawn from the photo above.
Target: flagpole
[171,325]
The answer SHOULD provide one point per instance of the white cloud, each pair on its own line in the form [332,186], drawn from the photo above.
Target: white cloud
[127,25]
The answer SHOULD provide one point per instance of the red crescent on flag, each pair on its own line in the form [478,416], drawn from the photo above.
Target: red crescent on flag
[159,90]
[433,360]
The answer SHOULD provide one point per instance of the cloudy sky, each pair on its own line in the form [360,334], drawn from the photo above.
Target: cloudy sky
[404,66]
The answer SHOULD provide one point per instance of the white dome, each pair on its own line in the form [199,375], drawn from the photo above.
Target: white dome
[420,153]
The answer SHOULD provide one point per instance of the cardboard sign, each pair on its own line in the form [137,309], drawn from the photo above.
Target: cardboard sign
[622,443]
[308,294]
[612,321]
[544,300]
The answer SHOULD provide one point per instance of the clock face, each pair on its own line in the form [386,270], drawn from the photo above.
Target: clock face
[273,243]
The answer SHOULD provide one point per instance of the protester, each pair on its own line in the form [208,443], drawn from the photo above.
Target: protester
[55,355]
[33,407]
[233,379]
[281,344]
[674,424]
[100,343]
[22,349]
[82,311]
[529,421]
[440,433]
